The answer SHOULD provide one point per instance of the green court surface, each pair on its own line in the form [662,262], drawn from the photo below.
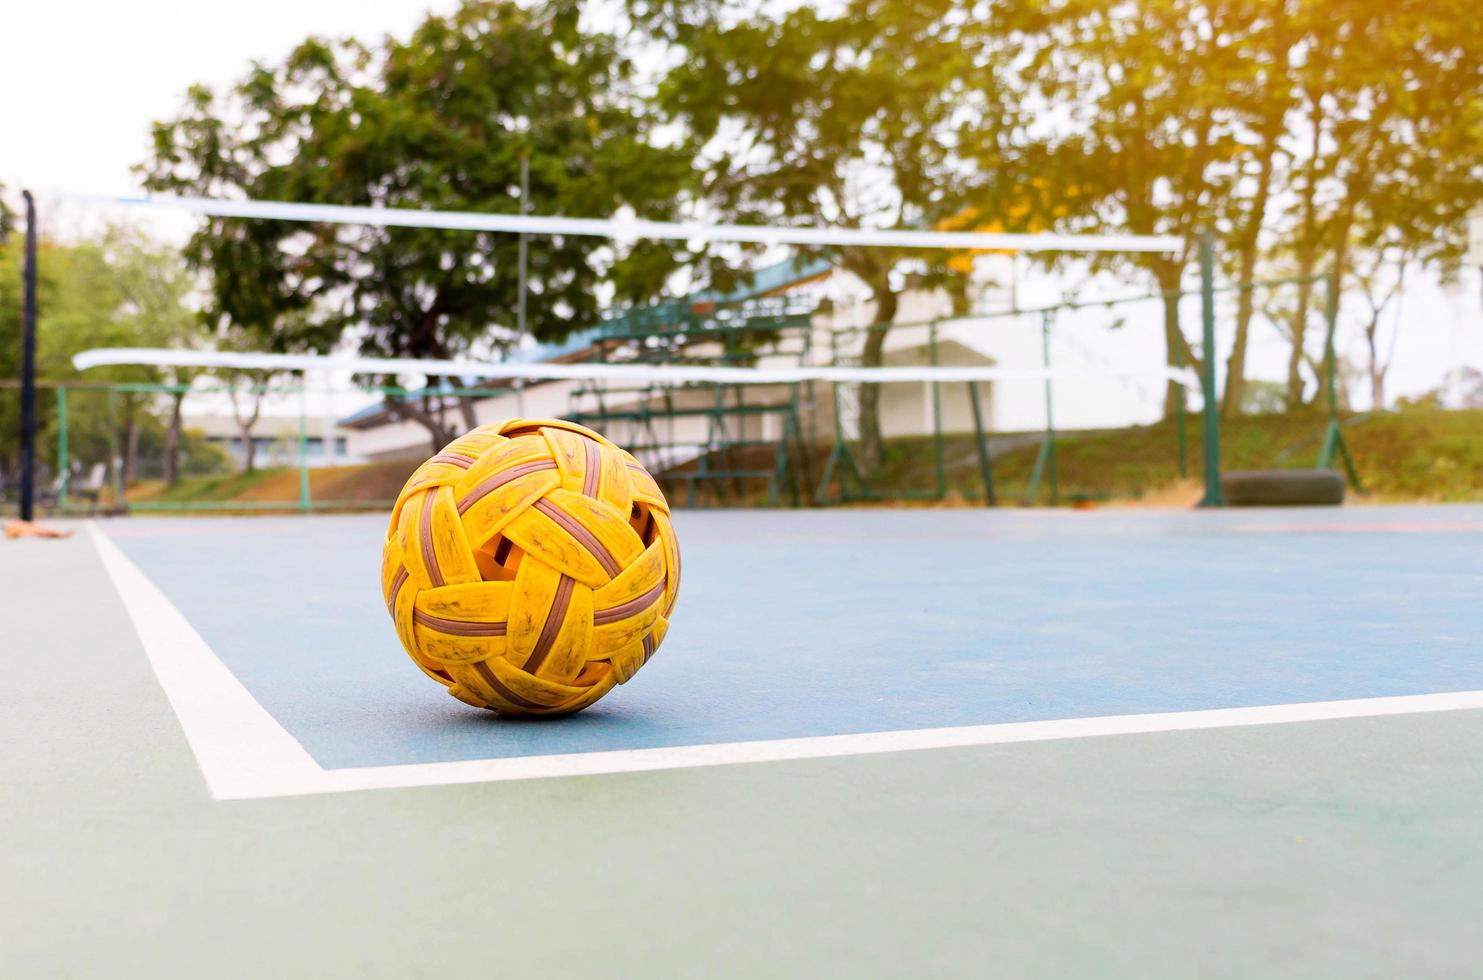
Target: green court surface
[1329,824]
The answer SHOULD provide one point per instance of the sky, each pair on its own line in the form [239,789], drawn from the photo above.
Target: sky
[81,81]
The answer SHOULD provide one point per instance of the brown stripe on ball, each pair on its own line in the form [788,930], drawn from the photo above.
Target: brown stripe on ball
[499,688]
[396,587]
[584,537]
[594,469]
[552,627]
[629,608]
[498,480]
[459,627]
[429,553]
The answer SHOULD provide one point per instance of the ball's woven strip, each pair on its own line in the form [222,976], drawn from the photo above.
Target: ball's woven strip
[530,566]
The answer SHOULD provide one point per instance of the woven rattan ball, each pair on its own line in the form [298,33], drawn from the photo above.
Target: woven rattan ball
[530,566]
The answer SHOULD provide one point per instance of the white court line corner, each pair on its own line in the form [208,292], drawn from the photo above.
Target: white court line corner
[244,753]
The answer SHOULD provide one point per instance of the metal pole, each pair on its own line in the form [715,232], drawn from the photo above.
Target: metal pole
[64,454]
[28,368]
[1331,321]
[1046,455]
[524,246]
[304,503]
[1050,418]
[936,416]
[985,465]
[327,447]
[1181,438]
[115,457]
[1211,410]
[1333,437]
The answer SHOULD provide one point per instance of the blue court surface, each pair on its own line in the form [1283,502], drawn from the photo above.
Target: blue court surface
[802,624]
[1124,742]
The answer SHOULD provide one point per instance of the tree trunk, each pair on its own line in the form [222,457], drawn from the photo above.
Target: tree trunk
[1307,253]
[245,425]
[130,441]
[1338,272]
[1174,393]
[172,441]
[437,433]
[1299,328]
[871,356]
[1230,403]
[1377,371]
[1177,351]
[249,447]
[1245,301]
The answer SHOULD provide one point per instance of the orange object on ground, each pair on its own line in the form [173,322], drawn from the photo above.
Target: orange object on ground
[30,529]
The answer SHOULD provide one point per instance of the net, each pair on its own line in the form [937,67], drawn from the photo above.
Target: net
[733,403]
[753,403]
[756,404]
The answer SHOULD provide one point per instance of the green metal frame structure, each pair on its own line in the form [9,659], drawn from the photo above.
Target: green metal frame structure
[304,502]
[741,333]
[1333,436]
[738,334]
[841,465]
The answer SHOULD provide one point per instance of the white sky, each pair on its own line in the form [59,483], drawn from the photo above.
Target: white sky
[81,81]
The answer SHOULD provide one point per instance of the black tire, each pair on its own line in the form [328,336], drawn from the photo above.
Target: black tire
[1283,488]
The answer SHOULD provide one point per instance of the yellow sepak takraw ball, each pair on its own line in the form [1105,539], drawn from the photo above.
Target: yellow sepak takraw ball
[530,566]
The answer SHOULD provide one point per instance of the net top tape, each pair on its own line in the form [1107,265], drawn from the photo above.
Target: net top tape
[630,229]
[640,373]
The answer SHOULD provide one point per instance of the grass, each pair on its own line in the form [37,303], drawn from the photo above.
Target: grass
[367,484]
[1415,455]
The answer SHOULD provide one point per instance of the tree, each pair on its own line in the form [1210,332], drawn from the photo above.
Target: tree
[1262,101]
[246,389]
[117,288]
[1298,130]
[153,285]
[439,120]
[842,118]
[1386,143]
[1380,282]
[1154,117]
[7,217]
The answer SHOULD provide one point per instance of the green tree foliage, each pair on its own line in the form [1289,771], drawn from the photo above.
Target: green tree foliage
[7,217]
[116,289]
[844,118]
[1156,119]
[1297,130]
[440,120]
[1310,135]
[1387,137]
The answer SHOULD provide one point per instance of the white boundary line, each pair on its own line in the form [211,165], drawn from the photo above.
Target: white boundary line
[241,749]
[629,229]
[245,754]
[550,370]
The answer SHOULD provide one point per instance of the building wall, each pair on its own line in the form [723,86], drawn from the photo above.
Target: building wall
[1114,377]
[276,436]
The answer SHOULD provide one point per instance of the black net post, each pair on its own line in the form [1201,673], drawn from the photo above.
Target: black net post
[28,368]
